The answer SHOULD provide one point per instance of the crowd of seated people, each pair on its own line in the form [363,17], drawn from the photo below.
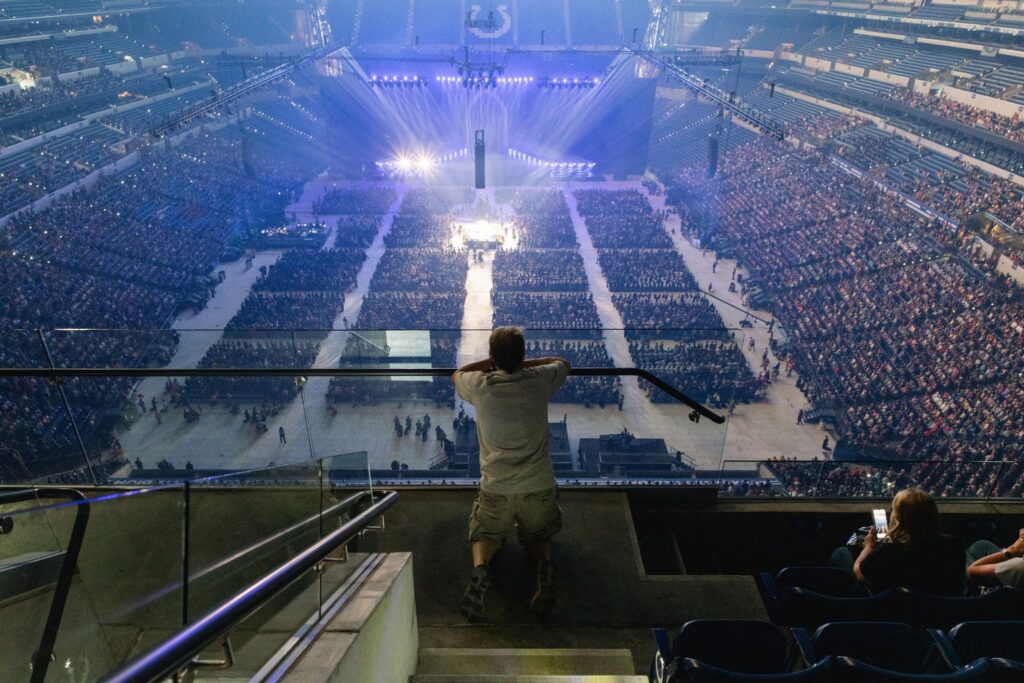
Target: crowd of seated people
[420,270]
[945,479]
[356,232]
[664,315]
[645,270]
[332,270]
[48,93]
[542,218]
[356,201]
[709,371]
[1010,127]
[125,254]
[271,311]
[250,355]
[902,342]
[622,220]
[589,391]
[539,270]
[954,188]
[563,314]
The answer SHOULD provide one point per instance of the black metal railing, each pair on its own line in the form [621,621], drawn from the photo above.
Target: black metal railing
[57,374]
[177,653]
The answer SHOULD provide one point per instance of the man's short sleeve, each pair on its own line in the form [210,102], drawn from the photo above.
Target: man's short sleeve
[556,373]
[1011,572]
[466,384]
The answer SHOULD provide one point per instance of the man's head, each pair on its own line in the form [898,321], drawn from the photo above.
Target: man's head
[508,348]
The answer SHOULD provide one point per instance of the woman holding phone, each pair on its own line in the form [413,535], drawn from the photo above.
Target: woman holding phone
[914,553]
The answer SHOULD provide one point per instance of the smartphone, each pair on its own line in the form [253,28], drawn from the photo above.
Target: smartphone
[881,523]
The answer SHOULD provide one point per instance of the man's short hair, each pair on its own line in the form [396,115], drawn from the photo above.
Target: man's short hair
[508,348]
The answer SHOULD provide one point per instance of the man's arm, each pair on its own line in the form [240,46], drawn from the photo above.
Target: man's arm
[477,366]
[546,361]
[983,571]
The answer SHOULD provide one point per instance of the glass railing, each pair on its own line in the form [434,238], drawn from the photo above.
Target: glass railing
[397,410]
[203,404]
[145,562]
[821,478]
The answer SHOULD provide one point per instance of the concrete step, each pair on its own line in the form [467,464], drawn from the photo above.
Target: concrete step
[518,662]
[486,678]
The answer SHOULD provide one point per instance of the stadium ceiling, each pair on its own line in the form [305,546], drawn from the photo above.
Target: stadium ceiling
[727,101]
[671,61]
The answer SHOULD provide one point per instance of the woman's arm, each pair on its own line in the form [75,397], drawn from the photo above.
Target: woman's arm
[870,543]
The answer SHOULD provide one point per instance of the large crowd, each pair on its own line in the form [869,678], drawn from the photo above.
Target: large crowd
[128,253]
[895,329]
[539,270]
[1010,127]
[944,479]
[708,371]
[355,201]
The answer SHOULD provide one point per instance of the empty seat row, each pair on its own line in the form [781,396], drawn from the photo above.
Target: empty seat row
[811,596]
[741,650]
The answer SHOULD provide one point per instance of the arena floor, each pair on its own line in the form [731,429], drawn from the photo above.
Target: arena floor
[222,440]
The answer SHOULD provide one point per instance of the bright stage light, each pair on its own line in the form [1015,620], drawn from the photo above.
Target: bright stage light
[404,163]
[423,164]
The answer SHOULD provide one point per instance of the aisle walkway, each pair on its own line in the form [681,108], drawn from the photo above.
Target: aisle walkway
[199,330]
[478,314]
[614,328]
[766,428]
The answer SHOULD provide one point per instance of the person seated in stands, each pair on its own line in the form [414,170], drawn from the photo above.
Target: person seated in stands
[1001,567]
[914,553]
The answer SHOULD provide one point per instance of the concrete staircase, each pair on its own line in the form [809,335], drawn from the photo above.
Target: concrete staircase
[461,665]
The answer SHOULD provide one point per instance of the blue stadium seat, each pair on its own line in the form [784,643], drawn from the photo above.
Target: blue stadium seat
[824,580]
[894,647]
[736,645]
[992,639]
[849,670]
[808,609]
[694,671]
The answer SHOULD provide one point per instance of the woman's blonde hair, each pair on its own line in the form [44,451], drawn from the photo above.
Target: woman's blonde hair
[915,517]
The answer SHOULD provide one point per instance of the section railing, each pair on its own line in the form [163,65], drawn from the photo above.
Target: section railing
[42,657]
[828,478]
[178,653]
[57,374]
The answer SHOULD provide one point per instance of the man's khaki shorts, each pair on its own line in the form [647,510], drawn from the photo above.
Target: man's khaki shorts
[536,516]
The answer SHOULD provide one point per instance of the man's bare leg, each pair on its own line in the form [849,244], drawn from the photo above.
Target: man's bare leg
[483,551]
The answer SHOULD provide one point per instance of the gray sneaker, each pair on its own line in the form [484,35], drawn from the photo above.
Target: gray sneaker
[543,600]
[472,605]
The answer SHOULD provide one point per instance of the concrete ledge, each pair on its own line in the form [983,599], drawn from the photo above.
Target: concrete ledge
[374,637]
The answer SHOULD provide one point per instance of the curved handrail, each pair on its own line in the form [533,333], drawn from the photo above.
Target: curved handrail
[177,651]
[699,410]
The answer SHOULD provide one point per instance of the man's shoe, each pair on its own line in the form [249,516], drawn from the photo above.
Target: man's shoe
[472,604]
[543,600]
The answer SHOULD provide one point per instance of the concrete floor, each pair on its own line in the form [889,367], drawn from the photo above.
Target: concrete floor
[222,440]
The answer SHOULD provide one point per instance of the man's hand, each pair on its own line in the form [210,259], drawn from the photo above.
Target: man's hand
[478,366]
[1017,548]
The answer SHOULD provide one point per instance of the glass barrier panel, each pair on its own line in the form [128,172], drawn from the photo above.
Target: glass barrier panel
[126,593]
[347,490]
[32,555]
[408,425]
